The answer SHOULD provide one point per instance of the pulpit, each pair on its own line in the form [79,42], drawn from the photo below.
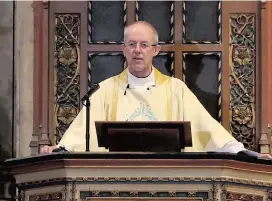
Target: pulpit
[141,176]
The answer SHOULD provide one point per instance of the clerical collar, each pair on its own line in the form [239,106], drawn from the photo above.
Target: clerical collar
[145,82]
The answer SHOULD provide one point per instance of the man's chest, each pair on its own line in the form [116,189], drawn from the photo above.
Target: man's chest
[143,105]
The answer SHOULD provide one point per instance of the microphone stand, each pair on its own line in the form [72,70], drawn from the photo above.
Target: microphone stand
[87,124]
[87,104]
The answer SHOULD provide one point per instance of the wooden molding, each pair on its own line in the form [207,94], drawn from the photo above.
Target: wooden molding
[40,133]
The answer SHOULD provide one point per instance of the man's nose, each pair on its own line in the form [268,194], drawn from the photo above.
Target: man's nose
[138,48]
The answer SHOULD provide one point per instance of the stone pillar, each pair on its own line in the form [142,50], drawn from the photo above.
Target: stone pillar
[6,79]
[7,148]
[24,64]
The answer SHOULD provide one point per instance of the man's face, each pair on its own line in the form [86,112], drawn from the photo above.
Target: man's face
[139,49]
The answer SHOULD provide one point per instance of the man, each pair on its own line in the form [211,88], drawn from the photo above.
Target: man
[142,93]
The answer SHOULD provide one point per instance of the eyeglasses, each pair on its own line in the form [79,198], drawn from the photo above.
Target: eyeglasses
[143,45]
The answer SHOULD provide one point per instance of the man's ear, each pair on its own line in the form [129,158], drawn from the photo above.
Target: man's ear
[157,49]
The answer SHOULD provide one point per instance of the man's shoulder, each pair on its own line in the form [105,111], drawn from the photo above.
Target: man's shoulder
[107,85]
[107,82]
[176,81]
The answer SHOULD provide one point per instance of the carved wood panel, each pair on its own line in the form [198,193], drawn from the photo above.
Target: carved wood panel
[242,78]
[231,196]
[66,71]
[56,196]
[145,196]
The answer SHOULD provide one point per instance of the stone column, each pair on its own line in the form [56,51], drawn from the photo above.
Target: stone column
[24,64]
[7,143]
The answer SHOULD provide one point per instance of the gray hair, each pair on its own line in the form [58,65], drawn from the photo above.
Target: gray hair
[155,33]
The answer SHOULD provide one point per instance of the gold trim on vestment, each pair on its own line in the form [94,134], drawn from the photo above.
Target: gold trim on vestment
[115,98]
[159,79]
[169,101]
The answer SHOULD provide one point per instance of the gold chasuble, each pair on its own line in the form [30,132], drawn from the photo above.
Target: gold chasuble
[169,99]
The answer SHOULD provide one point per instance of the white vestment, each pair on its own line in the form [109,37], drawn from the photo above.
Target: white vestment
[154,98]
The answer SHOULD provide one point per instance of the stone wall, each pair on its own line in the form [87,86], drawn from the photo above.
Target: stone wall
[6,79]
[16,84]
[6,90]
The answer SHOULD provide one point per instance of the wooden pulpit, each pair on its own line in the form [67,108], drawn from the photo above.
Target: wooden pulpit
[144,163]
[138,176]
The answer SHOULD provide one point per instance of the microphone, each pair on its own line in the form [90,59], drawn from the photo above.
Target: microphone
[126,90]
[92,90]
[148,88]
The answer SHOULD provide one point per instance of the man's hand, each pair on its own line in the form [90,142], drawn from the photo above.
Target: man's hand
[47,149]
[266,156]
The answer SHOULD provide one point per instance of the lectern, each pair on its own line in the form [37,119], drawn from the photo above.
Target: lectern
[155,136]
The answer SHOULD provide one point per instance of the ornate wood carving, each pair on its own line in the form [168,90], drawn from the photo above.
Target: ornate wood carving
[66,74]
[64,192]
[146,199]
[214,191]
[146,195]
[269,195]
[242,78]
[58,181]
[234,196]
[73,191]
[231,196]
[56,196]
